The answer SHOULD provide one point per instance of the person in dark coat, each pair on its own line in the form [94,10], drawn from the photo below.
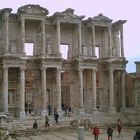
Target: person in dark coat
[119,126]
[137,135]
[109,133]
[56,116]
[35,125]
[49,109]
[47,121]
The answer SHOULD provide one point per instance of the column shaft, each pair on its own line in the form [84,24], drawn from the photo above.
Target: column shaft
[43,37]
[81,87]
[110,41]
[94,88]
[93,40]
[22,89]
[79,38]
[123,89]
[59,89]
[122,46]
[44,89]
[111,88]
[6,42]
[22,35]
[58,37]
[5,89]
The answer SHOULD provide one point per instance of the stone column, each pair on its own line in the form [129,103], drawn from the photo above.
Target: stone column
[22,93]
[44,101]
[22,35]
[121,37]
[43,37]
[5,89]
[93,40]
[81,87]
[6,40]
[79,39]
[110,41]
[94,95]
[58,37]
[81,133]
[111,91]
[123,89]
[58,77]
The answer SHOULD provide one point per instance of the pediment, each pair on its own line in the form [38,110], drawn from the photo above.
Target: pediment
[68,13]
[33,10]
[101,18]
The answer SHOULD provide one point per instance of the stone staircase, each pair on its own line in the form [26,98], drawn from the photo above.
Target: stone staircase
[67,124]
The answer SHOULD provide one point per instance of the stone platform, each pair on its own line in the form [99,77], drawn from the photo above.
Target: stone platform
[67,127]
[127,135]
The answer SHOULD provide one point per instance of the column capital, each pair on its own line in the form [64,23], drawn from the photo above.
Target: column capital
[43,68]
[5,67]
[22,68]
[80,69]
[109,28]
[94,69]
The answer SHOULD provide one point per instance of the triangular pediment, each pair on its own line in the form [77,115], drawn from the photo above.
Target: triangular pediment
[33,10]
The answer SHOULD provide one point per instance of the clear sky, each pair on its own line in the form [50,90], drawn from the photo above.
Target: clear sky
[114,9]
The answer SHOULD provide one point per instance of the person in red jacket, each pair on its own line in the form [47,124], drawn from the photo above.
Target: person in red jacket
[95,132]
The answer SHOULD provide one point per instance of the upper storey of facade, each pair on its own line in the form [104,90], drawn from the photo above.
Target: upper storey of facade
[95,37]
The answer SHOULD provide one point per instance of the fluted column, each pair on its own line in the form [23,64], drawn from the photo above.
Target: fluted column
[5,89]
[93,40]
[123,89]
[58,37]
[94,95]
[110,41]
[111,91]
[44,100]
[122,46]
[81,87]
[22,35]
[43,37]
[58,76]
[22,93]
[79,39]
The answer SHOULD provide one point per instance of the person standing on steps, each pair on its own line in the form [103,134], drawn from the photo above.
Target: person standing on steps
[47,121]
[119,126]
[95,132]
[109,132]
[56,116]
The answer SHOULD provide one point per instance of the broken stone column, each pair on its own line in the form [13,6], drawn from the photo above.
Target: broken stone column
[80,133]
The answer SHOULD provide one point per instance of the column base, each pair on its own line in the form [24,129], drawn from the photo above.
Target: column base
[123,109]
[60,112]
[3,120]
[44,113]
[94,111]
[112,110]
[81,111]
[22,115]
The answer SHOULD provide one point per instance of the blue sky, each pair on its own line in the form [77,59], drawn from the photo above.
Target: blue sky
[114,9]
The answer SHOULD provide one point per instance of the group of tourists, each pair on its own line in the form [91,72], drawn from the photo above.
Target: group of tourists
[66,108]
[47,124]
[96,132]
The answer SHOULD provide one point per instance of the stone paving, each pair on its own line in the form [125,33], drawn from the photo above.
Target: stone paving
[127,135]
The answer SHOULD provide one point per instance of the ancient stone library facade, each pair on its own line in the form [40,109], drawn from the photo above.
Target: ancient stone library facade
[91,78]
